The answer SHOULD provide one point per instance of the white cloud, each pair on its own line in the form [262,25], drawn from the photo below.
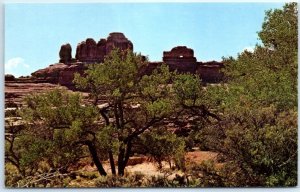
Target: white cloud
[15,65]
[249,48]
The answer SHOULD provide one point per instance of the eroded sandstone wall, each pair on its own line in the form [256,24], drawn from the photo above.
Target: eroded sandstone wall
[90,51]
[180,58]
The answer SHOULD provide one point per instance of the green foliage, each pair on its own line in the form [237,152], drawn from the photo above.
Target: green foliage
[255,81]
[54,120]
[115,78]
[269,74]
[156,93]
[154,86]
[264,145]
[206,174]
[188,89]
[280,32]
[159,108]
[163,145]
[136,103]
[106,141]
[12,175]
[259,106]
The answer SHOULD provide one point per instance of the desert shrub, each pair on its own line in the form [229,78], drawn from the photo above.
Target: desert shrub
[258,131]
[163,145]
[134,180]
[12,175]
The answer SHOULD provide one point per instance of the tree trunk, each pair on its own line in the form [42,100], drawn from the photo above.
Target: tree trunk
[94,154]
[121,168]
[123,158]
[127,154]
[112,163]
[121,165]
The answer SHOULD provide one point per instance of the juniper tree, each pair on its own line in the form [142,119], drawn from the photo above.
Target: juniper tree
[136,103]
[259,105]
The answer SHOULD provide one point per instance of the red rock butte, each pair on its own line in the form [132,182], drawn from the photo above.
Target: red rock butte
[180,58]
[90,51]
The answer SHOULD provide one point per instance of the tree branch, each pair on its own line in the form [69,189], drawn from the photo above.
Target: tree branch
[140,131]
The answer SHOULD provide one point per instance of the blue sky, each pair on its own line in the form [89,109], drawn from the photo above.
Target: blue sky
[35,32]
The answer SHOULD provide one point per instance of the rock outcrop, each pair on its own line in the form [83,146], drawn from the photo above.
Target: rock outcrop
[181,59]
[148,69]
[65,53]
[9,77]
[16,91]
[89,51]
[118,40]
[210,72]
[66,75]
[50,73]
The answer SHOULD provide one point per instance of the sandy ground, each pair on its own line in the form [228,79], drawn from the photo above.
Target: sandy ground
[151,168]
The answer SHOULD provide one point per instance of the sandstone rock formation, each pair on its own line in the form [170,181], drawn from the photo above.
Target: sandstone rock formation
[51,73]
[89,51]
[16,91]
[65,53]
[210,72]
[66,75]
[9,77]
[181,59]
[148,69]
[118,40]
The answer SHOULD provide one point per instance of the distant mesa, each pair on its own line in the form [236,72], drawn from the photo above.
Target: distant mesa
[180,58]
